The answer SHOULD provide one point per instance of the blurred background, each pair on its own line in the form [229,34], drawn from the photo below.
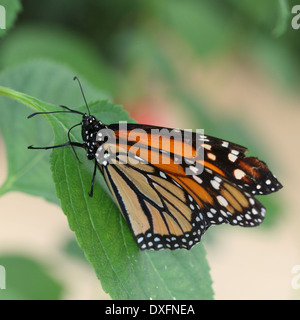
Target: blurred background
[230,67]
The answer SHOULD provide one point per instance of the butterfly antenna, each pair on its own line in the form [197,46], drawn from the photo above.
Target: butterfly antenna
[68,110]
[88,109]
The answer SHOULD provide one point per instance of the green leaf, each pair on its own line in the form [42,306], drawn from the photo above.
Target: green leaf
[58,44]
[10,13]
[25,279]
[28,171]
[125,271]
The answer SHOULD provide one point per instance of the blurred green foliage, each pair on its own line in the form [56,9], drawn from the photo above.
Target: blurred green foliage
[28,279]
[123,47]
[101,33]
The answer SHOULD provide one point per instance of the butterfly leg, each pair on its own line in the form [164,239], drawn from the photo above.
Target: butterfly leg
[93,179]
[69,143]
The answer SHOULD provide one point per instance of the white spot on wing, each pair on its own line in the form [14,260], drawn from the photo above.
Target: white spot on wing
[162,174]
[194,169]
[235,152]
[232,157]
[211,156]
[215,184]
[225,144]
[239,174]
[206,146]
[197,179]
[222,201]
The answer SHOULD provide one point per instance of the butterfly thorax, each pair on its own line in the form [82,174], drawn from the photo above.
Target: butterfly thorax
[90,128]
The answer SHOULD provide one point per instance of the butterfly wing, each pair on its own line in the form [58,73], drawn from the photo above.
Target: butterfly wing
[229,160]
[167,208]
[156,208]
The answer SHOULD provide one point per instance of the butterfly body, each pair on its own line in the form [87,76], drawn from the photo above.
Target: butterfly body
[90,126]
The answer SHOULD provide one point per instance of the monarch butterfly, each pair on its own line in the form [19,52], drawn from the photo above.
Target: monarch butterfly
[163,205]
